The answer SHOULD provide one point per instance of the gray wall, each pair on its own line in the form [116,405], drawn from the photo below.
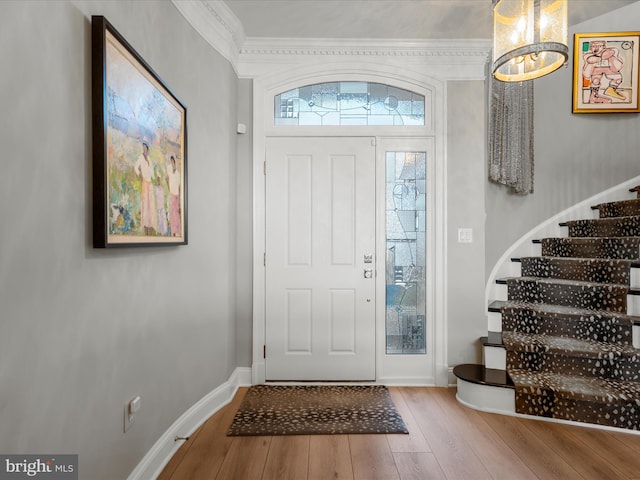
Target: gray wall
[576,155]
[83,330]
[465,209]
[244,166]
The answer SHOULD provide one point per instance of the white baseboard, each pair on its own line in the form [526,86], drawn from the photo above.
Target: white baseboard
[159,455]
[405,381]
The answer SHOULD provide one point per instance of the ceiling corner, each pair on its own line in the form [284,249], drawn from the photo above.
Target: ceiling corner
[216,23]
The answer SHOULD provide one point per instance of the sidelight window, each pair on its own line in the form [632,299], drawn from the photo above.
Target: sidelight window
[405,252]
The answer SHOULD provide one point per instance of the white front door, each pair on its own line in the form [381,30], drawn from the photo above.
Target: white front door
[320,259]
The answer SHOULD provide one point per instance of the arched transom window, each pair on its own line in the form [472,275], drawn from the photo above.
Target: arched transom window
[349,103]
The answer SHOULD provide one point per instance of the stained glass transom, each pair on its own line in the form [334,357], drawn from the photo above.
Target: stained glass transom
[349,103]
[406,253]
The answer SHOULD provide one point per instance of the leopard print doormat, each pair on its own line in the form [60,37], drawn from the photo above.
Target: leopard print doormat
[316,410]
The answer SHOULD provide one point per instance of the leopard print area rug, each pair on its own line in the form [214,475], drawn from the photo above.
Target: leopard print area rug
[316,410]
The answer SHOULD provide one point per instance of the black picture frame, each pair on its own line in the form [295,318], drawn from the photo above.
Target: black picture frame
[139,148]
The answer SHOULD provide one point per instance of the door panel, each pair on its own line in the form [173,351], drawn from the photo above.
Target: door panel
[320,224]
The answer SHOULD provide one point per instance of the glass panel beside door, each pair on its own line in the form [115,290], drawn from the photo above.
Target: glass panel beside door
[405,317]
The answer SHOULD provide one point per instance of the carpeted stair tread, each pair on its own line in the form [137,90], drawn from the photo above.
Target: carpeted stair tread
[592,247]
[587,358]
[584,399]
[571,268]
[619,209]
[628,226]
[572,386]
[530,342]
[563,321]
[565,281]
[573,293]
[562,310]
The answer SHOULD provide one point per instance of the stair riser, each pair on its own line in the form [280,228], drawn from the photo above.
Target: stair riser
[634,278]
[616,248]
[494,321]
[583,328]
[494,357]
[589,297]
[622,369]
[633,305]
[599,271]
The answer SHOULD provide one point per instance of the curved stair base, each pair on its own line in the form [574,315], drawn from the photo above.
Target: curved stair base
[485,390]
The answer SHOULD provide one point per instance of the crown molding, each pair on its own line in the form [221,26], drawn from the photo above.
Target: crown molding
[216,23]
[219,26]
[452,49]
[456,59]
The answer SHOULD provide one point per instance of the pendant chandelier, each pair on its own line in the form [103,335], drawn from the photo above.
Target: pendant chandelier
[529,38]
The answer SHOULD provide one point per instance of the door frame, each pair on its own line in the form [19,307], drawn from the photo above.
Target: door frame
[264,90]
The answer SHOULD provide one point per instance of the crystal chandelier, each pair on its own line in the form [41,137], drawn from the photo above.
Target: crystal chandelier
[529,38]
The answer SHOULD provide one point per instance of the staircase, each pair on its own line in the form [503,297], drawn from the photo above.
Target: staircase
[568,345]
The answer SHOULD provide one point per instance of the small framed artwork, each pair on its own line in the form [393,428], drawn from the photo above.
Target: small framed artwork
[139,148]
[606,72]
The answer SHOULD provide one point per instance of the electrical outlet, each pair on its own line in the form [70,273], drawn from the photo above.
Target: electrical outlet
[130,410]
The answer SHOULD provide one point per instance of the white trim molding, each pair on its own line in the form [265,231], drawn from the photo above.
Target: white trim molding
[446,59]
[159,455]
[281,78]
[216,23]
[253,56]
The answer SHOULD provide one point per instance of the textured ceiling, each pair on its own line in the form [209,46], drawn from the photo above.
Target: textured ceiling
[380,19]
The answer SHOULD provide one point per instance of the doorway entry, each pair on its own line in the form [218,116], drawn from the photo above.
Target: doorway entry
[408,346]
[320,259]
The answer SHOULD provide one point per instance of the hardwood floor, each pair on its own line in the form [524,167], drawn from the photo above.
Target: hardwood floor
[446,441]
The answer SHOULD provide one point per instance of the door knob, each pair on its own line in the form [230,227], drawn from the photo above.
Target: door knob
[368,273]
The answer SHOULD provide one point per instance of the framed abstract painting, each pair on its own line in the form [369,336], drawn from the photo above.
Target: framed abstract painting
[606,72]
[139,148]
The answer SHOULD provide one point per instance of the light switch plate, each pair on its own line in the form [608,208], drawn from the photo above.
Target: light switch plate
[465,235]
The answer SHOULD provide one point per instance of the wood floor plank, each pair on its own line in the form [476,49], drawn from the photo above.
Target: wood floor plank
[288,458]
[372,458]
[210,446]
[456,458]
[496,456]
[330,458]
[540,458]
[415,441]
[586,461]
[616,447]
[175,461]
[245,459]
[418,466]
